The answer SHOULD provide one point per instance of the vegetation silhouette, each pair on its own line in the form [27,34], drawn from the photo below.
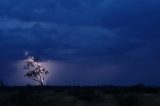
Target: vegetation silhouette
[35,70]
[138,95]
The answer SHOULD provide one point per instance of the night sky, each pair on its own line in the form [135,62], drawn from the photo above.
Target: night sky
[87,42]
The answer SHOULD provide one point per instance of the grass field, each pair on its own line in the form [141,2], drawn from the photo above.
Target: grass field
[80,96]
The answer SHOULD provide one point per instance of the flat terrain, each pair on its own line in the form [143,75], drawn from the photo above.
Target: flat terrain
[80,96]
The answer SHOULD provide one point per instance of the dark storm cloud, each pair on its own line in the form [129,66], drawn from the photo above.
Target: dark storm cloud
[106,33]
[110,14]
[73,42]
[51,10]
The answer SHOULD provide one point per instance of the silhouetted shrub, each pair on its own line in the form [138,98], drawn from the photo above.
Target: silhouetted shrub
[2,84]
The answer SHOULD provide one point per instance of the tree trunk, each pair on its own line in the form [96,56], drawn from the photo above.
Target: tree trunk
[41,83]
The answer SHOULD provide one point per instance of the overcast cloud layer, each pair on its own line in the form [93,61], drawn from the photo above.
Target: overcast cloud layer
[91,41]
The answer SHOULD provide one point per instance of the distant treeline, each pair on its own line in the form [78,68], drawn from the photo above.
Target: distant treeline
[105,88]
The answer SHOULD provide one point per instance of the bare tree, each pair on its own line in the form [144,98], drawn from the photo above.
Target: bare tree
[35,71]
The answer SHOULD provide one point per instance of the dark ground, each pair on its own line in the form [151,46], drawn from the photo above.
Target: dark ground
[80,96]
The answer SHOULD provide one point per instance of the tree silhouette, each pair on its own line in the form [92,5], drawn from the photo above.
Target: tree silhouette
[35,71]
[2,83]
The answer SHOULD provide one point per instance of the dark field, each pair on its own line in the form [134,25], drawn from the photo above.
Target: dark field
[80,96]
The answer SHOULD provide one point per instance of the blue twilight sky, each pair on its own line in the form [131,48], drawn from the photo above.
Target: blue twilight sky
[89,42]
